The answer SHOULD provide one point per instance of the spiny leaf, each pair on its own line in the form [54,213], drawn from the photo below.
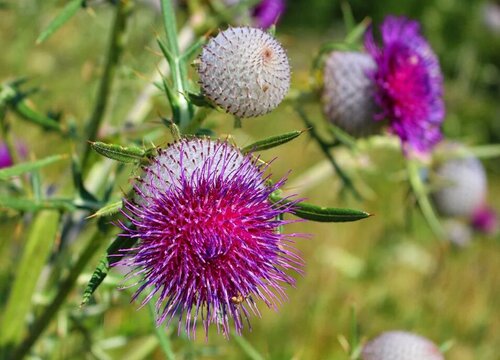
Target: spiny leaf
[35,205]
[321,213]
[25,167]
[108,210]
[67,13]
[113,255]
[125,154]
[271,142]
[39,243]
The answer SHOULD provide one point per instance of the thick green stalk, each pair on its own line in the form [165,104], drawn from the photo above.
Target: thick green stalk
[180,106]
[115,50]
[65,288]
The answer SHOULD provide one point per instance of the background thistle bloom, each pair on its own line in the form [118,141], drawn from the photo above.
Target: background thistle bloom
[245,71]
[5,157]
[209,239]
[409,84]
[400,345]
[268,12]
[348,92]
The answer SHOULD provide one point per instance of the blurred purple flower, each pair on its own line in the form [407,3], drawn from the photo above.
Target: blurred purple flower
[5,157]
[485,220]
[409,84]
[268,12]
[209,237]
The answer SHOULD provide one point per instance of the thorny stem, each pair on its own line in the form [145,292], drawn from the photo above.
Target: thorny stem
[65,288]
[182,108]
[325,148]
[115,50]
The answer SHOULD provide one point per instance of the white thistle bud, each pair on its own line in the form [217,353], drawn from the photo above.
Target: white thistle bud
[348,93]
[464,187]
[400,345]
[245,71]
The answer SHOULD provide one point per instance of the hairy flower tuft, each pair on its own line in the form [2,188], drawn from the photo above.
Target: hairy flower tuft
[245,71]
[348,92]
[409,84]
[400,345]
[209,239]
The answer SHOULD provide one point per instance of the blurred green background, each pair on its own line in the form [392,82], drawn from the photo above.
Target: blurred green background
[389,268]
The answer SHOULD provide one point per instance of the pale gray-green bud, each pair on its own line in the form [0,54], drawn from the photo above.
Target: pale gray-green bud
[245,71]
[348,92]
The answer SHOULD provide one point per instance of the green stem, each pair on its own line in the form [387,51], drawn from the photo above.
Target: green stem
[180,106]
[325,148]
[420,192]
[161,334]
[115,50]
[65,288]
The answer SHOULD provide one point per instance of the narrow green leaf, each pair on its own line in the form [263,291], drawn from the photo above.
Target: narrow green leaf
[113,255]
[357,32]
[271,142]
[35,205]
[347,16]
[199,100]
[108,210]
[125,154]
[26,112]
[166,52]
[322,214]
[25,167]
[67,13]
[39,243]
[247,348]
[189,53]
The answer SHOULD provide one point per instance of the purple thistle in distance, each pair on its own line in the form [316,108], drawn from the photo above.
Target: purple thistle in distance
[209,239]
[5,157]
[268,12]
[401,345]
[485,220]
[409,84]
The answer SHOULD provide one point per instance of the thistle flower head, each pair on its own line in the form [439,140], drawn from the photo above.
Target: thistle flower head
[409,84]
[348,92]
[268,12]
[463,187]
[485,220]
[400,345]
[245,71]
[209,239]
[5,157]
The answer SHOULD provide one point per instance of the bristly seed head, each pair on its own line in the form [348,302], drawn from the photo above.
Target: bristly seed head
[245,71]
[400,345]
[209,239]
[348,92]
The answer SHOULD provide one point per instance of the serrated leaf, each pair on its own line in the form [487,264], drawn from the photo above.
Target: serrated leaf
[271,142]
[25,167]
[109,209]
[322,214]
[113,255]
[67,13]
[35,205]
[38,246]
[125,154]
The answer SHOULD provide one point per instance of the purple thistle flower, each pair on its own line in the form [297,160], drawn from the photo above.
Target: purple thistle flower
[268,12]
[409,84]
[209,237]
[5,157]
[485,220]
